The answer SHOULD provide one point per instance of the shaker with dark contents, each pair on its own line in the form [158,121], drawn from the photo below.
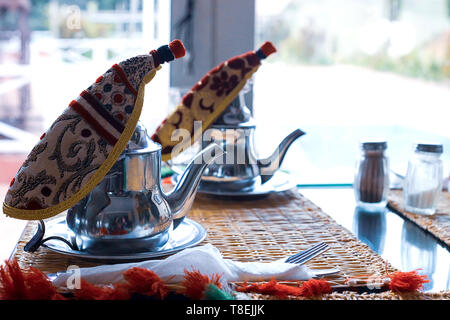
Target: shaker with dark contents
[372,175]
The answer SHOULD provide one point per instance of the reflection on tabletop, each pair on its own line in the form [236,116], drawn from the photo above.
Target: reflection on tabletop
[401,243]
[404,245]
[419,250]
[370,228]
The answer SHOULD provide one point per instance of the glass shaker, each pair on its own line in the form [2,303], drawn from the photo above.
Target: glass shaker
[423,182]
[371,183]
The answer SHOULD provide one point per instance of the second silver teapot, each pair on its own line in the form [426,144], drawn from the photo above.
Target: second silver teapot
[239,169]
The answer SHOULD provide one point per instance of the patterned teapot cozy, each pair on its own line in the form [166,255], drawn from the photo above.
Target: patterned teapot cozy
[85,141]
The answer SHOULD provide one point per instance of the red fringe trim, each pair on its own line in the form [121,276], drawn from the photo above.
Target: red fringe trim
[271,288]
[33,284]
[315,287]
[309,288]
[398,281]
[195,284]
[29,284]
[407,281]
[146,282]
[138,280]
[89,291]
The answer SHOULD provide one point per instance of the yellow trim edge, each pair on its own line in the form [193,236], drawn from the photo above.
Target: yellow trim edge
[221,107]
[99,174]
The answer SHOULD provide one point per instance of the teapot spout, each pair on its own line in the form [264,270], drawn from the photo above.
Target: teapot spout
[270,165]
[182,196]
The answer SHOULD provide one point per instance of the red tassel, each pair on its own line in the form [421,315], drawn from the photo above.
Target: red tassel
[29,284]
[195,283]
[146,282]
[12,282]
[271,288]
[407,281]
[177,48]
[89,291]
[138,280]
[315,287]
[268,48]
[309,288]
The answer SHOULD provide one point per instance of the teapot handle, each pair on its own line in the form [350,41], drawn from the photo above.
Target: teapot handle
[38,240]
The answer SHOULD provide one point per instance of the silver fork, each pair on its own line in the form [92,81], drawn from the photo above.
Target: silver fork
[308,254]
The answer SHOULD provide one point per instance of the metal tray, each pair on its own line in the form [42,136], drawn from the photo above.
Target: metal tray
[280,182]
[189,233]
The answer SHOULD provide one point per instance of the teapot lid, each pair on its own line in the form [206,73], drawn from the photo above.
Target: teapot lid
[140,142]
[86,140]
[237,111]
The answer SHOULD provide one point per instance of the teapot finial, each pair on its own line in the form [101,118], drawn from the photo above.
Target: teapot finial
[237,111]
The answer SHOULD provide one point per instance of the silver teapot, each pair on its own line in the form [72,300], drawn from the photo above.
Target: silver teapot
[239,169]
[128,212]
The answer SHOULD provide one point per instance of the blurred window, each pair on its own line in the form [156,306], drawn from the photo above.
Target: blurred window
[348,70]
[50,50]
[345,70]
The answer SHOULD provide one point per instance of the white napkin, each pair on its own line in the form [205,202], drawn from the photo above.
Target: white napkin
[207,259]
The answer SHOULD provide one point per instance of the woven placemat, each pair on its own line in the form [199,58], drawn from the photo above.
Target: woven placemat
[437,224]
[258,230]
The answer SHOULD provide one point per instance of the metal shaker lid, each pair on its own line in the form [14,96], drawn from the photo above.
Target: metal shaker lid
[430,147]
[374,145]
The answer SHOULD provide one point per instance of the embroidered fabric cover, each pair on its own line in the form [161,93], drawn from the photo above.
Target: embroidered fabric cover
[207,99]
[85,141]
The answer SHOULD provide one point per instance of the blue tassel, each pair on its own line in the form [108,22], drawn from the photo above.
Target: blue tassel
[165,55]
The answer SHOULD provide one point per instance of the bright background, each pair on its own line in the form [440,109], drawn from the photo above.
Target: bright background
[345,70]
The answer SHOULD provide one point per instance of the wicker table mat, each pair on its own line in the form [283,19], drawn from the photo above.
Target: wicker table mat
[438,224]
[260,230]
